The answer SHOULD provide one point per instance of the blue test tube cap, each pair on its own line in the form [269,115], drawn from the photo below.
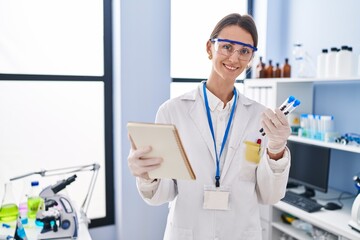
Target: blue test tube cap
[291,99]
[296,103]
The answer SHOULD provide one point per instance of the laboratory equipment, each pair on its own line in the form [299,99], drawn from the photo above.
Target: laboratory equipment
[59,216]
[9,210]
[355,214]
[277,71]
[20,233]
[286,69]
[349,138]
[330,63]
[61,171]
[321,63]
[289,105]
[355,210]
[304,66]
[344,62]
[269,70]
[35,202]
[260,69]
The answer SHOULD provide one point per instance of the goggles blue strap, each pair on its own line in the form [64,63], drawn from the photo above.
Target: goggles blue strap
[234,42]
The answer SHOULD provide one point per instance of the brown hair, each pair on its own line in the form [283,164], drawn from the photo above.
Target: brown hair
[246,22]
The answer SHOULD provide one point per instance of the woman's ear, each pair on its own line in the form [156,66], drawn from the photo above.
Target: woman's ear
[209,50]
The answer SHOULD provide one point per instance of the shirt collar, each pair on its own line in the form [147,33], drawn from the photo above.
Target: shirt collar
[216,104]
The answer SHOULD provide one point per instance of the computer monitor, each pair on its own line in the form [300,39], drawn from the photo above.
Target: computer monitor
[309,167]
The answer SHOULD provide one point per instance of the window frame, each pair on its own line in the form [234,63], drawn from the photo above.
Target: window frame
[107,79]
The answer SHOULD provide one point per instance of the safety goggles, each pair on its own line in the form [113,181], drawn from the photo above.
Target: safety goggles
[226,47]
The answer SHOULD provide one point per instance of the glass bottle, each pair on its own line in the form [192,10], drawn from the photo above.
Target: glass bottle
[286,69]
[277,71]
[269,70]
[299,63]
[260,69]
[23,206]
[34,201]
[9,210]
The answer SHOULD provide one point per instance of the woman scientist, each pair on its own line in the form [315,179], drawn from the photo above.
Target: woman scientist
[236,167]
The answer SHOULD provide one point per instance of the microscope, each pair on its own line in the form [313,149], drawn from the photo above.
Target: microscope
[58,216]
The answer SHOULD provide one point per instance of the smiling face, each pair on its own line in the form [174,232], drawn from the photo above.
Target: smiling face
[228,68]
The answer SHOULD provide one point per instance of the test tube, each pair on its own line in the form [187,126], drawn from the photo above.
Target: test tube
[286,103]
[286,108]
[291,107]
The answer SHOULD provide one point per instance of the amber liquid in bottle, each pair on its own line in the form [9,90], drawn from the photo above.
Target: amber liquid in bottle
[277,71]
[269,70]
[286,70]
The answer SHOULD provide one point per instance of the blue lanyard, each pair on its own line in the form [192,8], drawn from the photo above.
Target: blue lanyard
[217,176]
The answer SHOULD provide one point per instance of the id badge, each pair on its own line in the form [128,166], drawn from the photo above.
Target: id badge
[216,198]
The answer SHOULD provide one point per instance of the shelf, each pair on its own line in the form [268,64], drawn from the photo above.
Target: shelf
[290,230]
[338,146]
[290,80]
[334,222]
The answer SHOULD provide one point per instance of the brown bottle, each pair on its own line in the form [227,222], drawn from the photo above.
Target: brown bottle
[260,69]
[286,69]
[269,70]
[277,71]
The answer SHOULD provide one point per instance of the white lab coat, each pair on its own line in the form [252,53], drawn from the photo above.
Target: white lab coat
[249,183]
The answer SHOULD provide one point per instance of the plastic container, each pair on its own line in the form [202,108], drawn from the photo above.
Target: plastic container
[344,63]
[34,202]
[330,67]
[321,64]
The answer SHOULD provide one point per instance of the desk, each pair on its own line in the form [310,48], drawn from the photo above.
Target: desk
[335,222]
[32,232]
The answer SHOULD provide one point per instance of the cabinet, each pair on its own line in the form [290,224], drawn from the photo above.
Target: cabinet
[272,92]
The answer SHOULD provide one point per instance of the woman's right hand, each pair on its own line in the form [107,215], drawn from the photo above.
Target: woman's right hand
[138,164]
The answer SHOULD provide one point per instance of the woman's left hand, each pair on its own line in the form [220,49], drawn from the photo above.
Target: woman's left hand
[277,129]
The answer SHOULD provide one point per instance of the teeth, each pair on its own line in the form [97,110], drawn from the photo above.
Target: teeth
[229,67]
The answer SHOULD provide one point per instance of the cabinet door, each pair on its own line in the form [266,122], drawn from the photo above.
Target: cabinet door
[263,92]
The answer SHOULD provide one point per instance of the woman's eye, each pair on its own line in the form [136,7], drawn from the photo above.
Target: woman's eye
[227,47]
[244,51]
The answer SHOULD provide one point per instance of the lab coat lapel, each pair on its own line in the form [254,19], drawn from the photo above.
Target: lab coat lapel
[241,120]
[199,117]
